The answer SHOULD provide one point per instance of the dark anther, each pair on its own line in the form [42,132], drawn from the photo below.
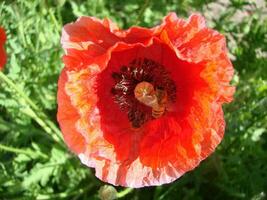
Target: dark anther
[160,87]
[116,76]
[113,91]
[123,69]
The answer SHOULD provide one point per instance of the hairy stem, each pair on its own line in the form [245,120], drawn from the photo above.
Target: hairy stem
[34,111]
[141,13]
[21,151]
[124,192]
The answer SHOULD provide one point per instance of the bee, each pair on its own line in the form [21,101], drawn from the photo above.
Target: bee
[162,99]
[156,99]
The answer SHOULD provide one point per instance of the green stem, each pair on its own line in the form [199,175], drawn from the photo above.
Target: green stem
[30,112]
[141,13]
[40,118]
[52,15]
[21,151]
[18,90]
[124,192]
[14,150]
[63,195]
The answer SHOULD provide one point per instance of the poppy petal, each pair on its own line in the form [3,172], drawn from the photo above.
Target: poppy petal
[194,42]
[3,57]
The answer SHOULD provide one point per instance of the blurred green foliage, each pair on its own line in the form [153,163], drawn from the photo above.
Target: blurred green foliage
[35,166]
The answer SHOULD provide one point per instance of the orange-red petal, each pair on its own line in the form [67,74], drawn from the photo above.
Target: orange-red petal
[162,150]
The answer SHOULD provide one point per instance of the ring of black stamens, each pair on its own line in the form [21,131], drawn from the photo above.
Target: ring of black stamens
[128,77]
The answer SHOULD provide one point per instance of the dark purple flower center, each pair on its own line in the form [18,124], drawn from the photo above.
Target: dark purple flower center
[126,80]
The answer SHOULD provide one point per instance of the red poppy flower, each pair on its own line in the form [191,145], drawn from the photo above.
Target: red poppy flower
[2,50]
[143,106]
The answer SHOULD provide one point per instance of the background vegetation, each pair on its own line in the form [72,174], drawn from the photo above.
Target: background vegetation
[35,165]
